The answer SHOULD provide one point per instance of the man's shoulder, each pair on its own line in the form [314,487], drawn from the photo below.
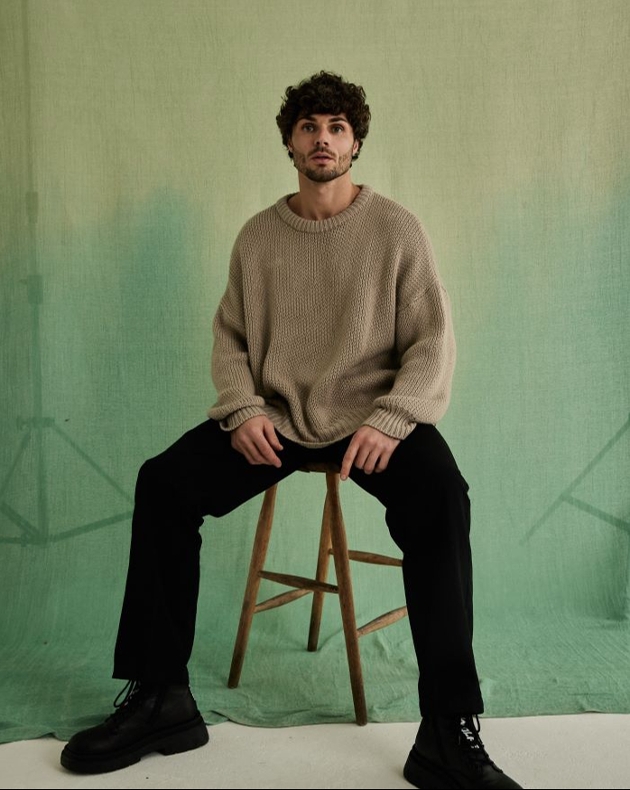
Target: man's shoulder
[264,218]
[263,224]
[396,216]
[390,206]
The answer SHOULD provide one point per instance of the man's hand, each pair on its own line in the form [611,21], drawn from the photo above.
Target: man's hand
[256,439]
[370,450]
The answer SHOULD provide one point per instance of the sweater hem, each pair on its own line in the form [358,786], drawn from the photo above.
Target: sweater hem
[236,418]
[395,426]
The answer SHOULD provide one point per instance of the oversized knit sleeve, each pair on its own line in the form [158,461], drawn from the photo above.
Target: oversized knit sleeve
[237,400]
[425,346]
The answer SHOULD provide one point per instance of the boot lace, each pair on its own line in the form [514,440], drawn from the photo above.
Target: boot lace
[469,729]
[125,703]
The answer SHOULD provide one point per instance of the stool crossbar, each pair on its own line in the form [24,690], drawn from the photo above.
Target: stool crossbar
[333,543]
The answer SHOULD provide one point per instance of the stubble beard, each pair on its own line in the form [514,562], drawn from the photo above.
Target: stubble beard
[321,175]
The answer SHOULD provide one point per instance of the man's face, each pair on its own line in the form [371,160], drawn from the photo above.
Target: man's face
[323,146]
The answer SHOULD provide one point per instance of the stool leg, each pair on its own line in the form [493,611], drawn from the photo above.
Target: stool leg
[321,575]
[259,552]
[342,569]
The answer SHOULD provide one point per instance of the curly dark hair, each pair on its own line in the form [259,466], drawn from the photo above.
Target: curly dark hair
[324,93]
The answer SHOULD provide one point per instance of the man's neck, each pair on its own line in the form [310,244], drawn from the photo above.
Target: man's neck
[317,201]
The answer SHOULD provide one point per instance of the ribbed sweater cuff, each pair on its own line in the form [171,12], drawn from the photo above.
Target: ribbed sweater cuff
[239,416]
[389,423]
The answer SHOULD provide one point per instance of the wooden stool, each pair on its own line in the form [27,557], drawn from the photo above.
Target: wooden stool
[332,542]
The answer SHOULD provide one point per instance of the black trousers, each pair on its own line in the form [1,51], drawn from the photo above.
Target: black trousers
[427,513]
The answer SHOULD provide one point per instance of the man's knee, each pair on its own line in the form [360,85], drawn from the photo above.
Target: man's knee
[429,508]
[417,485]
[151,473]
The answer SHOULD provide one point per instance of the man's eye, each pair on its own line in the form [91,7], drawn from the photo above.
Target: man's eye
[338,128]
[307,127]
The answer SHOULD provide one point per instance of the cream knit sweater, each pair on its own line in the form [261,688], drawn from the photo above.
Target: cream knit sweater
[329,325]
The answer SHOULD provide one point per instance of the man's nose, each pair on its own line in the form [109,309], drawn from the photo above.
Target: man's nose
[322,137]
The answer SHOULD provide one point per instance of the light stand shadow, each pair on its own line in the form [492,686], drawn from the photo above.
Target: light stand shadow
[38,424]
[567,497]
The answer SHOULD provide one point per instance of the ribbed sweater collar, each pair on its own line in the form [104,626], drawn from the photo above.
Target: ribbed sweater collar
[321,226]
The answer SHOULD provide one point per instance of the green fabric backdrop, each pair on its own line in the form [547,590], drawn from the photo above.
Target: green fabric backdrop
[136,138]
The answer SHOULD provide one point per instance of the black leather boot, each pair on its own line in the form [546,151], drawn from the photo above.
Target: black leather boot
[149,719]
[448,753]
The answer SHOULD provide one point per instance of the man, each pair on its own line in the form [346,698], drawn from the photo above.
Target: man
[333,342]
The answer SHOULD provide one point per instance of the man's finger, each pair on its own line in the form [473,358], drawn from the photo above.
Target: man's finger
[252,453]
[383,461]
[371,461]
[266,451]
[271,436]
[348,460]
[363,455]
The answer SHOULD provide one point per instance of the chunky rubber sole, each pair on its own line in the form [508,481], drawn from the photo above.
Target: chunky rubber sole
[173,740]
[426,775]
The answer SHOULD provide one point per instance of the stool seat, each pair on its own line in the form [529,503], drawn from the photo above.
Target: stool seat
[333,543]
[321,466]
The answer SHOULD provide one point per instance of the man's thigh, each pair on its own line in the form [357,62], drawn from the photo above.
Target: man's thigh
[420,462]
[204,467]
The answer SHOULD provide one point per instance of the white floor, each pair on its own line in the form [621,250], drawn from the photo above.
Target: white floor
[581,751]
